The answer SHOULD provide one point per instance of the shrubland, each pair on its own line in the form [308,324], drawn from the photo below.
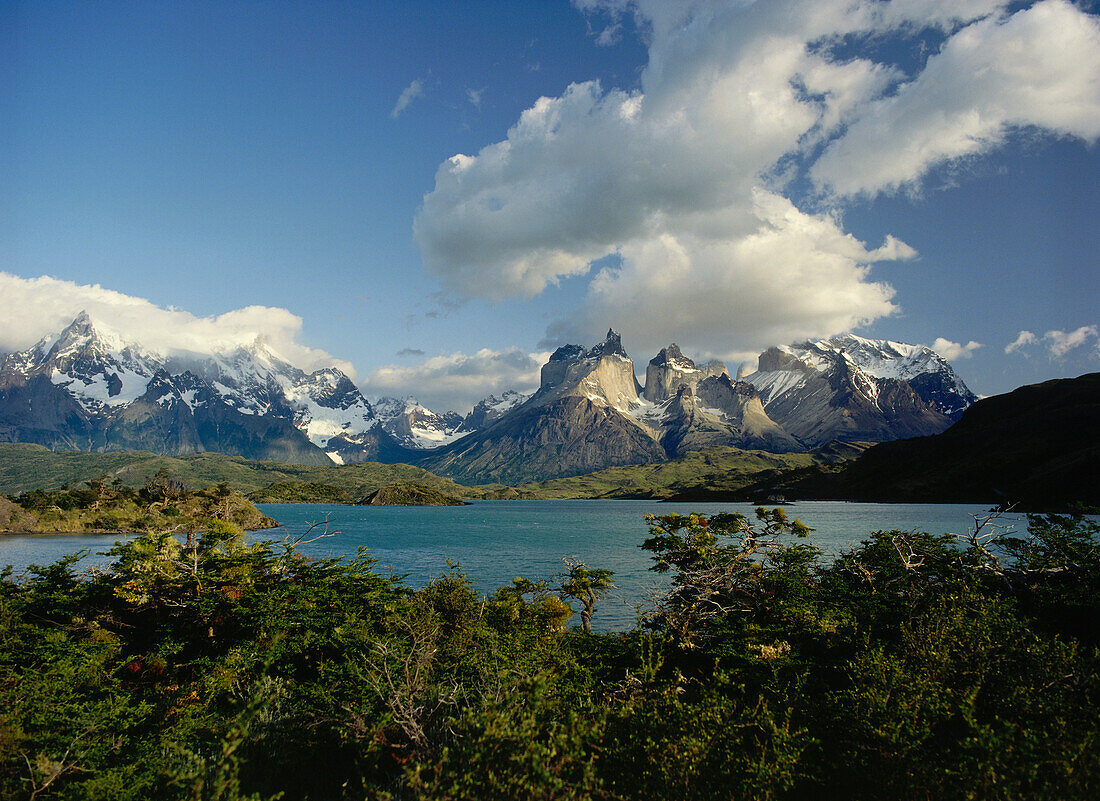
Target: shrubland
[913,666]
[161,504]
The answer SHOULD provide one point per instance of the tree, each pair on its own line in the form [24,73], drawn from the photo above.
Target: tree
[715,580]
[587,585]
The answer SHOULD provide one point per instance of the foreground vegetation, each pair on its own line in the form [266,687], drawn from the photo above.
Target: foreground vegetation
[913,667]
[163,504]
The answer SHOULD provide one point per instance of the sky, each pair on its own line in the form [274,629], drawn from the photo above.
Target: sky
[435,195]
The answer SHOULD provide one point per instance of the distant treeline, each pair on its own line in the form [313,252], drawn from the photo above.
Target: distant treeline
[913,667]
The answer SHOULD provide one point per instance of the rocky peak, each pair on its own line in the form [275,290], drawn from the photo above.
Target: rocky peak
[78,338]
[604,374]
[490,409]
[774,359]
[612,345]
[568,353]
[715,367]
[331,388]
[671,356]
[666,372]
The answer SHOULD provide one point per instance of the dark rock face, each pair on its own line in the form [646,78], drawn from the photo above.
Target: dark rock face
[566,437]
[611,346]
[37,411]
[942,393]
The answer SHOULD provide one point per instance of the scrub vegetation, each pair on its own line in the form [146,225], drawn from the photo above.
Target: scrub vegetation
[914,666]
[162,504]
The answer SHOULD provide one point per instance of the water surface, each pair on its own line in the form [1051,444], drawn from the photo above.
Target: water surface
[495,541]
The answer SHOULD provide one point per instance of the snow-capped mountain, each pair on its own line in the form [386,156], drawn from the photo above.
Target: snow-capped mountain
[590,412]
[578,421]
[414,425]
[490,409]
[849,387]
[90,389]
[693,406]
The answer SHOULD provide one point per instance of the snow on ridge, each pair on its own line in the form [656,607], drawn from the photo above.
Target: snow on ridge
[508,400]
[770,384]
[93,392]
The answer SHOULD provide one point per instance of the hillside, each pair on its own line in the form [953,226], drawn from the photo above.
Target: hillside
[725,470]
[26,467]
[1038,446]
[406,494]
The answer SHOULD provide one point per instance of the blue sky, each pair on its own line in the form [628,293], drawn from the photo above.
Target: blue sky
[722,175]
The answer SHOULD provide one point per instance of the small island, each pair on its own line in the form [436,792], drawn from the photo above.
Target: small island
[408,494]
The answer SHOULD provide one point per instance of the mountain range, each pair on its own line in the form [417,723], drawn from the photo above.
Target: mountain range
[86,388]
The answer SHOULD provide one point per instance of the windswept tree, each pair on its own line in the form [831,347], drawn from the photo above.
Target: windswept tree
[723,565]
[587,585]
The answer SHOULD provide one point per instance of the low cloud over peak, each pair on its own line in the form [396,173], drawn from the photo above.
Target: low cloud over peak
[34,307]
[456,381]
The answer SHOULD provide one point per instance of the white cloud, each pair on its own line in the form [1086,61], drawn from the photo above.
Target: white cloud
[681,177]
[1038,67]
[459,380]
[1059,343]
[34,307]
[795,276]
[1024,339]
[408,95]
[954,350]
[1062,342]
[475,95]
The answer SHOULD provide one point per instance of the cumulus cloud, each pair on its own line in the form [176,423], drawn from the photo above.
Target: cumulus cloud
[1059,343]
[1038,68]
[1024,339]
[795,276]
[954,350]
[34,307]
[408,95]
[1062,342]
[459,380]
[684,178]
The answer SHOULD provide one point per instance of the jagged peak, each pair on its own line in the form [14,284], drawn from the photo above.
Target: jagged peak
[82,333]
[612,345]
[568,353]
[672,356]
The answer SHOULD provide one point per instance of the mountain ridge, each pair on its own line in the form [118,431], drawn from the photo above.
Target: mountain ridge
[87,388]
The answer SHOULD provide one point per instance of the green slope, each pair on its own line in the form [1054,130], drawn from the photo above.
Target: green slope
[714,470]
[27,467]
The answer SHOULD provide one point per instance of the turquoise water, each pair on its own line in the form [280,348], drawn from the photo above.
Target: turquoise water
[495,541]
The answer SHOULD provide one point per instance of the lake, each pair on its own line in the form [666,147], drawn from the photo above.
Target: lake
[495,541]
